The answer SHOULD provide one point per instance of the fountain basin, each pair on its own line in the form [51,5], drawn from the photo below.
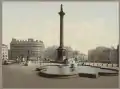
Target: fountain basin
[82,71]
[59,70]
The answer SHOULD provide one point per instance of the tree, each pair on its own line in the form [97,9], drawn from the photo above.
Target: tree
[51,52]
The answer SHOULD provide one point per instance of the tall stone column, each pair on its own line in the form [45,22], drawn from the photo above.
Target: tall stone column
[61,51]
[61,13]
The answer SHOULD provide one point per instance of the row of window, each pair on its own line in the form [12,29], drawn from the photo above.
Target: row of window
[25,51]
[4,49]
[4,55]
[28,46]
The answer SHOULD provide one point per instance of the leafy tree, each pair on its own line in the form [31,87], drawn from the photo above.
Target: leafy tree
[51,52]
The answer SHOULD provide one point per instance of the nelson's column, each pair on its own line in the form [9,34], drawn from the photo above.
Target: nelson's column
[61,50]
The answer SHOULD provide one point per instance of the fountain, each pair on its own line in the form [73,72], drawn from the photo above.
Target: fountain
[67,67]
[63,69]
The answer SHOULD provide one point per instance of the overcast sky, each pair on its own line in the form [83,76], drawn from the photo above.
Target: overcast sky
[86,24]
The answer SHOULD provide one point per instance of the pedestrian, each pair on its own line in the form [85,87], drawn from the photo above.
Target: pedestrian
[23,60]
[17,59]
[20,60]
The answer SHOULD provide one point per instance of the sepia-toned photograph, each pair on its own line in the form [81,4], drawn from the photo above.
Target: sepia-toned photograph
[60,44]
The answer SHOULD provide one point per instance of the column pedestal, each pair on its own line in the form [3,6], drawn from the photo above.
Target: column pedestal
[61,54]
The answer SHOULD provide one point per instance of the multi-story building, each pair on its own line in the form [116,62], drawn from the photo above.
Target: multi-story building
[102,54]
[85,57]
[113,55]
[9,54]
[4,52]
[92,55]
[26,48]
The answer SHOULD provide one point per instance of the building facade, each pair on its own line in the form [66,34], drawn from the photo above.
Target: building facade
[25,48]
[103,55]
[118,54]
[113,55]
[4,52]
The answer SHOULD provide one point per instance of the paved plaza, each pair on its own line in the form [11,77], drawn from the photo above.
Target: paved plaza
[17,76]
